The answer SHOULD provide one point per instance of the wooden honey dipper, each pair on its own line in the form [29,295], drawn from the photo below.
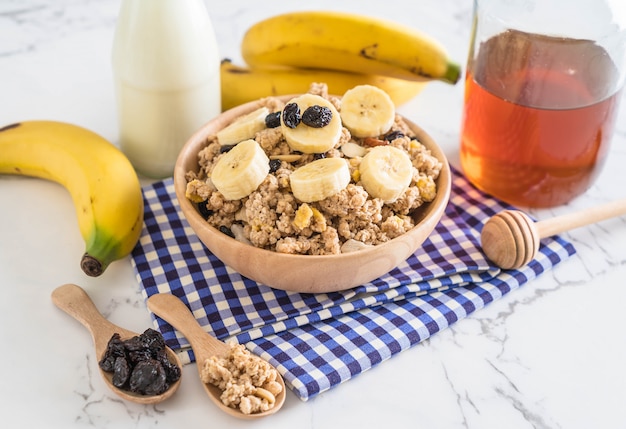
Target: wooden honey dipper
[510,239]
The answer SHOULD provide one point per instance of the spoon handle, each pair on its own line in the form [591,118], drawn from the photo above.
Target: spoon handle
[174,311]
[73,300]
[559,224]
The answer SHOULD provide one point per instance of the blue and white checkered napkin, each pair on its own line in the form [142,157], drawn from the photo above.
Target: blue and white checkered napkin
[318,341]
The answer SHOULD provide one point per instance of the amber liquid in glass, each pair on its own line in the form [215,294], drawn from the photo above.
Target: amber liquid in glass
[538,117]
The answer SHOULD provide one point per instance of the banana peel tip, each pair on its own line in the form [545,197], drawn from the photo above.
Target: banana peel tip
[91,266]
[453,73]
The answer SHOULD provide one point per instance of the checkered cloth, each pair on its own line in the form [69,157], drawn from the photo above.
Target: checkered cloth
[318,341]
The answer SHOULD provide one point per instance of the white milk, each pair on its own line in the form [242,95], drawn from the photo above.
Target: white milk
[166,70]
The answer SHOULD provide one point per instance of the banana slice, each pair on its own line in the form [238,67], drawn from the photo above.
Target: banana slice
[386,172]
[241,170]
[243,128]
[367,111]
[320,179]
[307,139]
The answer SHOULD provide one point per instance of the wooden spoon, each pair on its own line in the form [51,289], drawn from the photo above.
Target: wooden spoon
[510,239]
[74,301]
[175,312]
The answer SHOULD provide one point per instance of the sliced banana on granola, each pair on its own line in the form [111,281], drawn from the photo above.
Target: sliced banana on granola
[386,172]
[240,171]
[367,111]
[243,128]
[310,124]
[320,179]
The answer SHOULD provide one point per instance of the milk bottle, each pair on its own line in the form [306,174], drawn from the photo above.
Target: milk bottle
[166,72]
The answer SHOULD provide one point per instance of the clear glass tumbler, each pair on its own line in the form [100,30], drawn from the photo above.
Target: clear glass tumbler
[542,90]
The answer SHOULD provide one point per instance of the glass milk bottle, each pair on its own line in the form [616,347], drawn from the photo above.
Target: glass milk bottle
[166,72]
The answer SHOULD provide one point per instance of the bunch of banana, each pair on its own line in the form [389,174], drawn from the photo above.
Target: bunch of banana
[243,84]
[103,184]
[286,53]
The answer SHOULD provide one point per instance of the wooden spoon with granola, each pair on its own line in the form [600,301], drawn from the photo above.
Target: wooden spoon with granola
[261,392]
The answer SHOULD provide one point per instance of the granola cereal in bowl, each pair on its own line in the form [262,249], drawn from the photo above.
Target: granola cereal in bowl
[313,192]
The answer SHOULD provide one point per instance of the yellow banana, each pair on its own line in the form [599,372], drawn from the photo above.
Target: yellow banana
[243,84]
[347,42]
[103,184]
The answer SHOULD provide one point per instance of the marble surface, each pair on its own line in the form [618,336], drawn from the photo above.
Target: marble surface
[550,355]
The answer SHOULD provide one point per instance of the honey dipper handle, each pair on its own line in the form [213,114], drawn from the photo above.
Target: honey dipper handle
[559,224]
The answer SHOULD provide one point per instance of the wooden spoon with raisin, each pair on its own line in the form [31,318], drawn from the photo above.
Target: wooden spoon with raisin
[137,367]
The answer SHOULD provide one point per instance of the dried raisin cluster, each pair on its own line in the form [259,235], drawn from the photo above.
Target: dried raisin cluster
[314,116]
[140,364]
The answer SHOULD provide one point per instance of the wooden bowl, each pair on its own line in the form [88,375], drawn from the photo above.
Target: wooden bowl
[307,273]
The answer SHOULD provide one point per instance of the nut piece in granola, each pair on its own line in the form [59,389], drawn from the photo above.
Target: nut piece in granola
[247,382]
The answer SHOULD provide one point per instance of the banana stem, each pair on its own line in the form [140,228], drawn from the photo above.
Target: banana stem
[91,266]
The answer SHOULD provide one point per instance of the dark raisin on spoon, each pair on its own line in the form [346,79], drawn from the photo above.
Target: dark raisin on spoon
[121,372]
[115,349]
[140,364]
[148,378]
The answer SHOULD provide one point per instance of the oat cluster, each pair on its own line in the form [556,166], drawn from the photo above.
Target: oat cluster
[247,382]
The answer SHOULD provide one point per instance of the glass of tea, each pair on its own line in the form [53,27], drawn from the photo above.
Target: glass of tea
[542,90]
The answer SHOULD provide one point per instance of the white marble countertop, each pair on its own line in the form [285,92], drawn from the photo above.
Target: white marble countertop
[550,355]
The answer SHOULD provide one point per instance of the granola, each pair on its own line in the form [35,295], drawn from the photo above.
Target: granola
[272,218]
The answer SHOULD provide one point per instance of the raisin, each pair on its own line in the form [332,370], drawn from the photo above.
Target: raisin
[138,355]
[106,363]
[205,212]
[394,135]
[226,230]
[172,371]
[153,340]
[272,120]
[121,371]
[140,363]
[134,344]
[148,378]
[291,115]
[115,349]
[275,165]
[226,148]
[319,156]
[317,116]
